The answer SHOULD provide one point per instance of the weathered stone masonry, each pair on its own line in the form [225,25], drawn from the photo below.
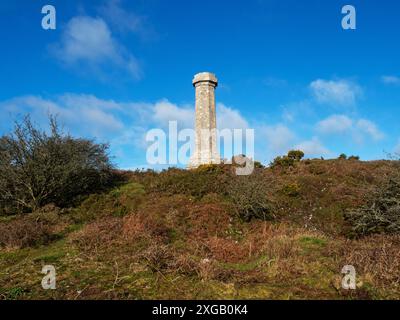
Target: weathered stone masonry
[205,126]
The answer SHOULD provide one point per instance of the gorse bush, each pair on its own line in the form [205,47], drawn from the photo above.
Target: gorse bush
[38,168]
[249,196]
[380,215]
[289,160]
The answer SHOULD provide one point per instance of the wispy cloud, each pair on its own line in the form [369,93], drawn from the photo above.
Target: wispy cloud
[278,138]
[125,21]
[125,124]
[230,118]
[82,114]
[335,92]
[313,148]
[88,43]
[359,129]
[370,129]
[165,111]
[335,124]
[391,80]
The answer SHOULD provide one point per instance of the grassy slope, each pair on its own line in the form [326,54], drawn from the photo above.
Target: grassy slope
[135,243]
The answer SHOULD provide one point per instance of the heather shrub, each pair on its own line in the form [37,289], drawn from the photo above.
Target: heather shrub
[27,231]
[100,233]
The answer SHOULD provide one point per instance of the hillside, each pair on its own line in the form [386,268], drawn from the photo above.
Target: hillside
[192,235]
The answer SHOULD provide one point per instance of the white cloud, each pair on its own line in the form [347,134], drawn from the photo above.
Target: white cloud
[313,148]
[228,118]
[88,42]
[83,114]
[335,124]
[279,138]
[391,80]
[340,92]
[165,111]
[359,129]
[124,20]
[370,128]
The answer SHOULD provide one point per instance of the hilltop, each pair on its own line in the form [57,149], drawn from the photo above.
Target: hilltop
[281,233]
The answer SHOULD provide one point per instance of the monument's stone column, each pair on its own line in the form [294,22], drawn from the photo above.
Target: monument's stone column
[206,123]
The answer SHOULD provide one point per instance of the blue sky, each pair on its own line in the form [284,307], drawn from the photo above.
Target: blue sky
[113,69]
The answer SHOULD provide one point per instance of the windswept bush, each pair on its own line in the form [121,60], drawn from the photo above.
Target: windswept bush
[38,168]
[380,215]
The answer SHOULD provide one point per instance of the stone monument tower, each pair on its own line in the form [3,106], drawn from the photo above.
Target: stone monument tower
[205,151]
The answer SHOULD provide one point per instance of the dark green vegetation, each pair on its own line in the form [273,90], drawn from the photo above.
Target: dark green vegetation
[285,232]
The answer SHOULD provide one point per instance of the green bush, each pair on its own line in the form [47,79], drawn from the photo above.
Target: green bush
[197,183]
[258,165]
[356,158]
[342,156]
[282,162]
[296,155]
[39,168]
[380,215]
[118,202]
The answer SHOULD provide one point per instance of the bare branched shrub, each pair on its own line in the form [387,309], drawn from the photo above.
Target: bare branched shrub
[38,168]
[380,215]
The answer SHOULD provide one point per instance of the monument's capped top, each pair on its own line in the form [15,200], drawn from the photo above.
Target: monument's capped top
[205,77]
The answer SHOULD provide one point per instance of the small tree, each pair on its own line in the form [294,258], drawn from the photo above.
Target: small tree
[296,155]
[37,168]
[342,156]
